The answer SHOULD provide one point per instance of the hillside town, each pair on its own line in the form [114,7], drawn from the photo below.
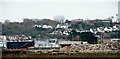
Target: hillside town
[45,37]
[62,35]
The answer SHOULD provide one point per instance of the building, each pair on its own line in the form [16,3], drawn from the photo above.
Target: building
[65,26]
[19,42]
[48,44]
[101,29]
[57,32]
[37,26]
[115,40]
[94,31]
[66,32]
[107,20]
[107,29]
[3,41]
[47,26]
[114,19]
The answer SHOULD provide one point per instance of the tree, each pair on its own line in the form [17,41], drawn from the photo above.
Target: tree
[59,18]
[84,36]
[7,21]
[89,37]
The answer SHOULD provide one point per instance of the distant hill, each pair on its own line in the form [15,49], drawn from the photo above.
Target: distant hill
[26,27]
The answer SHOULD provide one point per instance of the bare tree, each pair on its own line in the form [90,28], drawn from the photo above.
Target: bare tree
[7,21]
[59,18]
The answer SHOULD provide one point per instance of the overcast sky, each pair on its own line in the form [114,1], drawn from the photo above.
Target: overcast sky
[59,0]
[16,10]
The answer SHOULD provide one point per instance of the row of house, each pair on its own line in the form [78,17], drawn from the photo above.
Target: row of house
[64,26]
[104,29]
[100,29]
[44,26]
[61,32]
[58,26]
[15,37]
[93,30]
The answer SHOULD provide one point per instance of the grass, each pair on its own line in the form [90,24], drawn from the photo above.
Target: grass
[85,54]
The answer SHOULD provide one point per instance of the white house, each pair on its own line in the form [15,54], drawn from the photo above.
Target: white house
[114,20]
[65,26]
[108,29]
[101,29]
[56,32]
[37,26]
[66,32]
[46,26]
[115,40]
[83,42]
[93,31]
[78,30]
[116,27]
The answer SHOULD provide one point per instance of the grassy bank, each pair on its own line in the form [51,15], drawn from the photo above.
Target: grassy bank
[60,54]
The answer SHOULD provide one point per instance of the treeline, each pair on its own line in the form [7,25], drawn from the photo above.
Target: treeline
[84,36]
[26,27]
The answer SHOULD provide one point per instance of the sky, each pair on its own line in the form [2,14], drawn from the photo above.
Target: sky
[17,10]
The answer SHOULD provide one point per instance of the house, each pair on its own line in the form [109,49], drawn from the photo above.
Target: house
[114,20]
[66,32]
[47,26]
[100,29]
[93,31]
[104,20]
[78,30]
[57,32]
[115,40]
[83,42]
[65,26]
[116,27]
[107,29]
[15,37]
[37,26]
